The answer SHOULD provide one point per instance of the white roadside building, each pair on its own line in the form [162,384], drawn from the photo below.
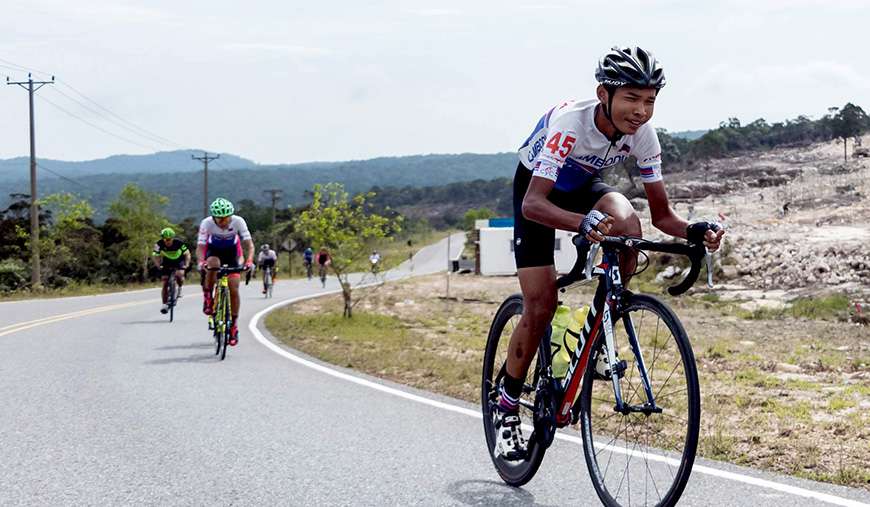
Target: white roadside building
[496,248]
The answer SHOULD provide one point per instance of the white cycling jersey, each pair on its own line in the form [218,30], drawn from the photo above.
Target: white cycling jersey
[211,234]
[567,147]
[268,255]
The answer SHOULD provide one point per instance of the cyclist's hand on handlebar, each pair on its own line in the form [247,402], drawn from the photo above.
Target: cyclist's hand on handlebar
[249,265]
[596,225]
[708,233]
[202,265]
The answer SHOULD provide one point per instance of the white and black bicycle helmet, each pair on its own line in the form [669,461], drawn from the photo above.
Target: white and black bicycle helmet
[630,66]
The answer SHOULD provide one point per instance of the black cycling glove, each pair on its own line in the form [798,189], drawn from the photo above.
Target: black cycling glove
[695,232]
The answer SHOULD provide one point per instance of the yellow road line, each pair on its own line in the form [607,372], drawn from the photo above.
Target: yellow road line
[21,326]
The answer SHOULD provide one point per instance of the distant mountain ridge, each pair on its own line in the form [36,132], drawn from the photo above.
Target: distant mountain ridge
[165,161]
[184,187]
[689,135]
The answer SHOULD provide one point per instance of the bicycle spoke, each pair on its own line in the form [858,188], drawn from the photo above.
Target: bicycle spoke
[676,365]
[631,472]
[660,397]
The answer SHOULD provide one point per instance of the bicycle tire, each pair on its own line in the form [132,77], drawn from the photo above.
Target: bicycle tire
[171,297]
[267,281]
[225,334]
[216,323]
[514,473]
[658,356]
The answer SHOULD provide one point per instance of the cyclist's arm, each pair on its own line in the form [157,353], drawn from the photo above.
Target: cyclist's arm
[156,256]
[186,257]
[201,240]
[248,245]
[200,252]
[663,216]
[537,208]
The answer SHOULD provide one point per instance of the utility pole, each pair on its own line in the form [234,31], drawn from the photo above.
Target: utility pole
[35,276]
[205,158]
[276,195]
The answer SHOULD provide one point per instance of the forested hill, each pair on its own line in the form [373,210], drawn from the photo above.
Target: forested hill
[18,168]
[184,189]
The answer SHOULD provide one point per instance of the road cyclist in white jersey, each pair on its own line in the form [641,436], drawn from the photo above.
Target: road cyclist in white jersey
[267,258]
[558,185]
[222,236]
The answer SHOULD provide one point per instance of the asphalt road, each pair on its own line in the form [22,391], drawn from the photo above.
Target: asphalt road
[104,402]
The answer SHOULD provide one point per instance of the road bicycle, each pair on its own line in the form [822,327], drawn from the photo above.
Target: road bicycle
[267,281]
[631,384]
[322,274]
[173,290]
[221,317]
[309,268]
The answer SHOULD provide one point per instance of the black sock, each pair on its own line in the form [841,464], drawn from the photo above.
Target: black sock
[511,389]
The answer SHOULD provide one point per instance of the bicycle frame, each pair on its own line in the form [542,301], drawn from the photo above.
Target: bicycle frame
[606,302]
[222,291]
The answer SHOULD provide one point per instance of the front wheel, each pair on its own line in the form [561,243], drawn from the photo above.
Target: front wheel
[172,297]
[642,455]
[514,473]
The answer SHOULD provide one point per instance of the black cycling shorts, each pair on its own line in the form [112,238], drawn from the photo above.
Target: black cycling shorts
[533,242]
[228,255]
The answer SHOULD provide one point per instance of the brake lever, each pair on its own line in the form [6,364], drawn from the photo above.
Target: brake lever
[709,257]
[590,260]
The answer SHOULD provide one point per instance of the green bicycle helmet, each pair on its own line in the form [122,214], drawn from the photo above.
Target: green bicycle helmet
[167,233]
[221,208]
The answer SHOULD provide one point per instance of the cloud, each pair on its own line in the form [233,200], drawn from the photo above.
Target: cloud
[812,74]
[434,12]
[101,11]
[289,49]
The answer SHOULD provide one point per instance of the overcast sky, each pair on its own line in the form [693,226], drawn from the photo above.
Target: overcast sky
[289,81]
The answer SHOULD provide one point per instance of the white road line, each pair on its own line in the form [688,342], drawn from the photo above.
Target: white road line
[252,326]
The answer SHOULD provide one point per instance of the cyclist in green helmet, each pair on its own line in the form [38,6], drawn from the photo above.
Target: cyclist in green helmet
[221,238]
[170,255]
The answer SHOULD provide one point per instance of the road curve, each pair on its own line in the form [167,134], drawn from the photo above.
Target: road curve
[106,403]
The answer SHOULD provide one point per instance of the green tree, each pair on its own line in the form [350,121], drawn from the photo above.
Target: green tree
[346,226]
[71,244]
[138,215]
[475,214]
[850,121]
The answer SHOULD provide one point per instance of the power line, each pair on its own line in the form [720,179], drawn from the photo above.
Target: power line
[154,148]
[131,124]
[142,132]
[21,68]
[61,176]
[107,118]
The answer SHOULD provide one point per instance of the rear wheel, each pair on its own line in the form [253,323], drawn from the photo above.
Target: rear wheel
[515,473]
[637,457]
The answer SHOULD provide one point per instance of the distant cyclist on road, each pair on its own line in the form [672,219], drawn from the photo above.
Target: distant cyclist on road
[558,185]
[308,259]
[375,261]
[221,238]
[323,261]
[267,257]
[172,257]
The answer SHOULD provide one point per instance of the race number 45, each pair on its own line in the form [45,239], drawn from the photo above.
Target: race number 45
[557,144]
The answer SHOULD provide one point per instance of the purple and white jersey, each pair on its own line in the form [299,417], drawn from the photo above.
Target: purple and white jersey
[213,235]
[567,147]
